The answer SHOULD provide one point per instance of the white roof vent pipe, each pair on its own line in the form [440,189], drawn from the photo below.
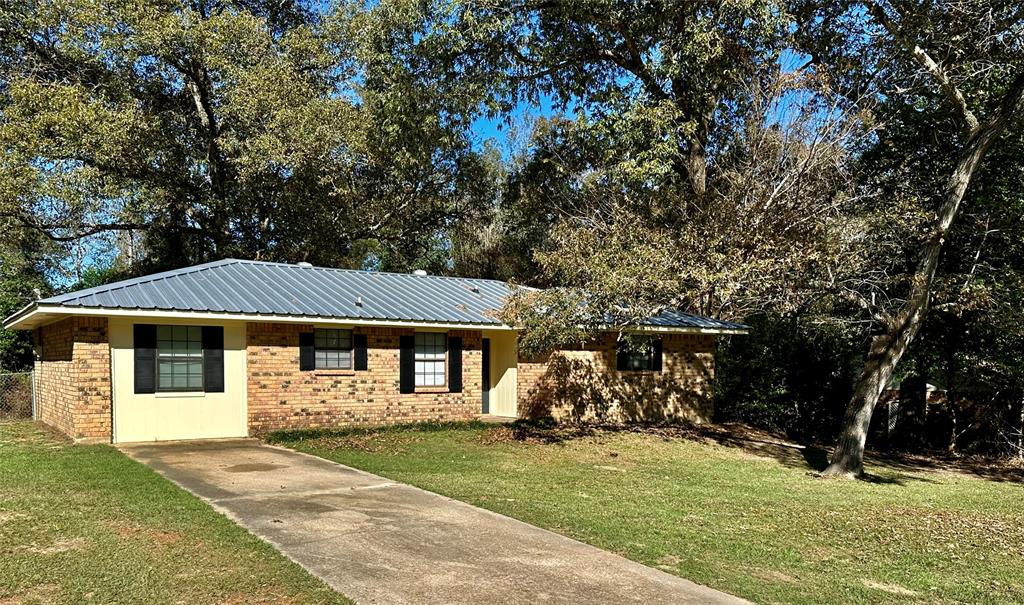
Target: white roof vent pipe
[304,264]
[419,272]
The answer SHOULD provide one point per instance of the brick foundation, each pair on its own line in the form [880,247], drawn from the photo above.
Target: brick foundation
[73,378]
[583,385]
[281,396]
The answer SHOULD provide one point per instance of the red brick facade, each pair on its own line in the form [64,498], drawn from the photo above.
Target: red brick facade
[282,396]
[583,384]
[73,378]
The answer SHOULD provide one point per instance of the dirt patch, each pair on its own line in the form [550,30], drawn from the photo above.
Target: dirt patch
[158,536]
[772,575]
[165,537]
[890,588]
[9,516]
[59,547]
[242,598]
[40,593]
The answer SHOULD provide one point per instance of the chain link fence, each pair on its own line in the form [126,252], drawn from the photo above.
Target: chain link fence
[15,395]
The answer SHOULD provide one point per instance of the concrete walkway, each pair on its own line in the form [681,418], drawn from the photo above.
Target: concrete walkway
[378,541]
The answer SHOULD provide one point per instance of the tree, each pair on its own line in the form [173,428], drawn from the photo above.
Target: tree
[962,61]
[178,132]
[693,173]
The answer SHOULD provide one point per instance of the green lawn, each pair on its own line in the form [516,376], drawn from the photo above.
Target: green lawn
[85,524]
[745,518]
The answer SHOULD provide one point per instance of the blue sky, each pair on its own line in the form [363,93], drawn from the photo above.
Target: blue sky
[509,131]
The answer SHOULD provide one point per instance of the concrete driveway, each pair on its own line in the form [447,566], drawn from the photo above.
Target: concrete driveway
[378,541]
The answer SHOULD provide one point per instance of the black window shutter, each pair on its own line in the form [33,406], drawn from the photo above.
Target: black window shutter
[145,358]
[622,356]
[359,342]
[455,364]
[213,359]
[306,351]
[657,345]
[407,364]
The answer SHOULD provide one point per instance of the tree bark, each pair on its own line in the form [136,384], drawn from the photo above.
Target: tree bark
[887,349]
[1020,433]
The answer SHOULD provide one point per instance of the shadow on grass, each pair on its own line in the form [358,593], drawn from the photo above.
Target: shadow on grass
[895,469]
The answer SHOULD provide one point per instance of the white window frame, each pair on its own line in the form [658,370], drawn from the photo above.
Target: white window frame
[321,339]
[428,358]
[190,356]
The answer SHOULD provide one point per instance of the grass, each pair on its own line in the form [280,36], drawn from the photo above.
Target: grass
[739,515]
[85,524]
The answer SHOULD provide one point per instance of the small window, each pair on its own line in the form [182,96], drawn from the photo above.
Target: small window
[179,354]
[430,358]
[640,356]
[333,349]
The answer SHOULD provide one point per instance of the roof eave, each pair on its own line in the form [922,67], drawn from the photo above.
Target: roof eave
[20,320]
[690,330]
[11,322]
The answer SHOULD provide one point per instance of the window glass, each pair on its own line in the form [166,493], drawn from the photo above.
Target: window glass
[179,351]
[332,349]
[430,358]
[640,357]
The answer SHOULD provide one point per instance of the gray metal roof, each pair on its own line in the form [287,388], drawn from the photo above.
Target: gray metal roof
[234,286]
[675,319]
[262,288]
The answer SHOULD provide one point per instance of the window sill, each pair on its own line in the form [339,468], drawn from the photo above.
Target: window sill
[440,389]
[334,373]
[170,394]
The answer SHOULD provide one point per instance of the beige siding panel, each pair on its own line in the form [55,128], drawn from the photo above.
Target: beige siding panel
[504,382]
[169,416]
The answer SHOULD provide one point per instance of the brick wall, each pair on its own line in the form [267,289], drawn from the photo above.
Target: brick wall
[73,378]
[282,396]
[583,384]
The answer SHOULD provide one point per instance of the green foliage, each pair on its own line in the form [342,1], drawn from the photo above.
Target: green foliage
[183,132]
[790,374]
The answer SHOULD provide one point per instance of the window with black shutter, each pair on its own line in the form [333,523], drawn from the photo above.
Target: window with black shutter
[170,359]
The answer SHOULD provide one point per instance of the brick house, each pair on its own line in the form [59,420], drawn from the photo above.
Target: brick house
[235,348]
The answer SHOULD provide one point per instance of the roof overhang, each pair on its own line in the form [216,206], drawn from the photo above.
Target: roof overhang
[35,315]
[688,330]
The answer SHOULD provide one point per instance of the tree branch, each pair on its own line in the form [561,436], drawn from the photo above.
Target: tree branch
[952,94]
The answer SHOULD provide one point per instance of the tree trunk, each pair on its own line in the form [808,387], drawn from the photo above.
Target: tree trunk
[1020,433]
[887,349]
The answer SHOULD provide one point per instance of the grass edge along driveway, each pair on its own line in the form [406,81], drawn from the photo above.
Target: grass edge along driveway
[86,524]
[751,522]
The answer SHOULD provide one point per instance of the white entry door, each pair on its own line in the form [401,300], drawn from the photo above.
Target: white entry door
[502,399]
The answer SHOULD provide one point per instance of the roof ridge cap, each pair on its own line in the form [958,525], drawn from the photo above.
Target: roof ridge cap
[135,281]
[367,271]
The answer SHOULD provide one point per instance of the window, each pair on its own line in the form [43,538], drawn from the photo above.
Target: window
[179,355]
[333,349]
[641,356]
[430,358]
